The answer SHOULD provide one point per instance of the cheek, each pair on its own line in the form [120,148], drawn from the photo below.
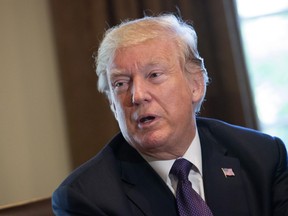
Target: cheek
[116,107]
[180,93]
[122,113]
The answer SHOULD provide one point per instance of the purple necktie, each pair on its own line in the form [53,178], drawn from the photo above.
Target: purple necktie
[189,202]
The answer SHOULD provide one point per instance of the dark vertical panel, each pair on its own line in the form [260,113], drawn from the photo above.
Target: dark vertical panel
[90,123]
[229,96]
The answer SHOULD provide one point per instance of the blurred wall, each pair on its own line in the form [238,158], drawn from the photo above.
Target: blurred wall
[34,156]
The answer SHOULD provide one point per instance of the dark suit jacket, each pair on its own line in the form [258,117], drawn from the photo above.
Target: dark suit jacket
[118,181]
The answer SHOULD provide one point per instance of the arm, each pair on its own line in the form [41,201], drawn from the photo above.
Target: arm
[67,202]
[280,184]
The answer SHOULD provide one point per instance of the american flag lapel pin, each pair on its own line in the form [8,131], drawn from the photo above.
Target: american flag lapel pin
[228,172]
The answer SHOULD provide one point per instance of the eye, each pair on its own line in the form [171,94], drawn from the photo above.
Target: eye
[154,75]
[120,85]
[157,76]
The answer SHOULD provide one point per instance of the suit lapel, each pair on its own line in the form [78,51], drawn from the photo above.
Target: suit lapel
[145,189]
[224,194]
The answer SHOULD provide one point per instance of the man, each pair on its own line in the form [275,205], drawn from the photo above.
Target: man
[155,82]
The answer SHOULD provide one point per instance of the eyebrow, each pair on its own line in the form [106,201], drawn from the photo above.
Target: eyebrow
[115,72]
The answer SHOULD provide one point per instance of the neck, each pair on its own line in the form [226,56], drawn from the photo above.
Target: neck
[169,152]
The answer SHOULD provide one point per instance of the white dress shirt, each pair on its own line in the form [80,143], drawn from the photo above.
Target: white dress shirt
[193,154]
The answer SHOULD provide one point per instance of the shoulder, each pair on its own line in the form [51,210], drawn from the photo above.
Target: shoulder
[220,128]
[93,183]
[240,139]
[104,162]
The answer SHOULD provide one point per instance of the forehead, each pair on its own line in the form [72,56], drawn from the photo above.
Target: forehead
[150,52]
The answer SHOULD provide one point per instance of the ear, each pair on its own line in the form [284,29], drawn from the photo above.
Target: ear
[197,86]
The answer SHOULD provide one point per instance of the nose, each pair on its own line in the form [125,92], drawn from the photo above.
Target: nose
[140,92]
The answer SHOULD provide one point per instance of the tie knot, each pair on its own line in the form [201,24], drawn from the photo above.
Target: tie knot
[181,169]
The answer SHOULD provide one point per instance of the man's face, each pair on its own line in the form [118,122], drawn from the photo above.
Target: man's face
[152,98]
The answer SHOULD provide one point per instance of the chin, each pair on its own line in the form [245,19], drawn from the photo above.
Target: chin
[150,141]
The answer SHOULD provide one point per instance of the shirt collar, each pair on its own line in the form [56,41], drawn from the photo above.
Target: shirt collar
[193,154]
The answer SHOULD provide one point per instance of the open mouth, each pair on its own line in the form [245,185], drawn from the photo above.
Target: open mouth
[146,119]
